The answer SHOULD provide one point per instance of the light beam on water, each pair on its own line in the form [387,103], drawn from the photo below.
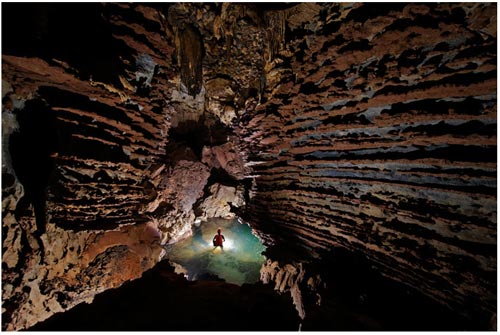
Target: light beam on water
[238,263]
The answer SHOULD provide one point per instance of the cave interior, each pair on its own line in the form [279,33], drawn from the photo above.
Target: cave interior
[348,151]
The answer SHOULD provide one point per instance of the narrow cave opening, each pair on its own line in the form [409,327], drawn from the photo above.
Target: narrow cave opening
[195,134]
[30,148]
[238,262]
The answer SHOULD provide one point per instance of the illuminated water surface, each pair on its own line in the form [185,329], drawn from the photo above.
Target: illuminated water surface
[238,263]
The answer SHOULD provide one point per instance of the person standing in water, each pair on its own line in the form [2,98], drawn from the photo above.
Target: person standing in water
[218,239]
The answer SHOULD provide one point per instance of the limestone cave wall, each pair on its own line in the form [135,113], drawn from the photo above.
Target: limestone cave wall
[367,127]
[83,122]
[107,151]
[378,135]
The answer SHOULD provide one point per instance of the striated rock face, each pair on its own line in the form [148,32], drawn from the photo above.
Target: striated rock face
[362,127]
[378,135]
[99,163]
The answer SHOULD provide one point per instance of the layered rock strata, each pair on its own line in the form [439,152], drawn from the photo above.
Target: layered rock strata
[85,135]
[103,128]
[378,135]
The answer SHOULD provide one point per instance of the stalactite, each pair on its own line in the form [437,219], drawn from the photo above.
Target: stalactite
[190,58]
[275,33]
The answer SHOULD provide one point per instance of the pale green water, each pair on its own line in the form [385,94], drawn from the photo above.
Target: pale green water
[239,263]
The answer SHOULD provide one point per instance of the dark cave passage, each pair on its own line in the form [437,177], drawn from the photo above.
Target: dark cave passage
[163,300]
[358,298]
[31,147]
[197,134]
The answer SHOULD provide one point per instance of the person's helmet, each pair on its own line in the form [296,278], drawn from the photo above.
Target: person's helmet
[219,230]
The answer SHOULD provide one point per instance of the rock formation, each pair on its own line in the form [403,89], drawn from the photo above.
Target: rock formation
[293,279]
[379,135]
[332,126]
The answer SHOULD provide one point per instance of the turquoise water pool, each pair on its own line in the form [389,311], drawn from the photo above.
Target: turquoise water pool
[238,263]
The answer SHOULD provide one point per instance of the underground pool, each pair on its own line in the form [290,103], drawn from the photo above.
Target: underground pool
[238,263]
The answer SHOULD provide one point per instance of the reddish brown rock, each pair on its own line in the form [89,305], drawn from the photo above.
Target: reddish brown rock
[382,141]
[220,202]
[291,278]
[227,157]
[172,208]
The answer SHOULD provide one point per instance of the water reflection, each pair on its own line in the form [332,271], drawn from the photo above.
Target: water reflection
[238,263]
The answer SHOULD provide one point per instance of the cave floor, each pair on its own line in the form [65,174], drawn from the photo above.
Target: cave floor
[162,300]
